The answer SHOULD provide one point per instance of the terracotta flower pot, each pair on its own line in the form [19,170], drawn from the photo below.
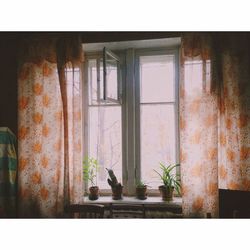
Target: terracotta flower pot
[93,193]
[166,193]
[117,192]
[141,193]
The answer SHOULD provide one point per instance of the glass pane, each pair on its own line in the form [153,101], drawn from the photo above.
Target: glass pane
[157,78]
[105,141]
[92,79]
[158,140]
[101,79]
[111,78]
[73,79]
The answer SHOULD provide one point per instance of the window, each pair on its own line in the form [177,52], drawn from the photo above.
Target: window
[111,76]
[158,114]
[134,126]
[104,128]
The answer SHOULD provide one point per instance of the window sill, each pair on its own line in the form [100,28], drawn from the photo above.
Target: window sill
[148,208]
[107,200]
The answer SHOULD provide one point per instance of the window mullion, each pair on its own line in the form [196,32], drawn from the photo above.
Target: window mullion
[177,110]
[158,103]
[130,121]
[98,81]
[137,119]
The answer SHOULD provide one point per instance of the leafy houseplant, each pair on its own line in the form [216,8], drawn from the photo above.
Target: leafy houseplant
[141,190]
[90,169]
[170,181]
[115,185]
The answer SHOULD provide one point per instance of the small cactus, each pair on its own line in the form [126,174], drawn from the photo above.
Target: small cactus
[115,185]
[112,181]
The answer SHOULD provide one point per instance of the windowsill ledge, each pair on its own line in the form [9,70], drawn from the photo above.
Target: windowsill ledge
[131,207]
[107,200]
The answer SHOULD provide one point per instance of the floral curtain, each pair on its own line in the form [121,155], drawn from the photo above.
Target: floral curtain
[214,119]
[234,122]
[49,126]
[198,128]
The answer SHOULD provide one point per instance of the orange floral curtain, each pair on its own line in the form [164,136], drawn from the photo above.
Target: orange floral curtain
[214,119]
[198,128]
[49,126]
[234,122]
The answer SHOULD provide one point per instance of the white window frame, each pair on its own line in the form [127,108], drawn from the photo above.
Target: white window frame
[130,105]
[99,55]
[153,52]
[106,53]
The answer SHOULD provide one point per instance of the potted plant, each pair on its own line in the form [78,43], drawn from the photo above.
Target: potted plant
[170,181]
[115,185]
[141,190]
[90,169]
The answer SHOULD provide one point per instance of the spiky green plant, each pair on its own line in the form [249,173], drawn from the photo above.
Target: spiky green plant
[90,169]
[140,184]
[168,178]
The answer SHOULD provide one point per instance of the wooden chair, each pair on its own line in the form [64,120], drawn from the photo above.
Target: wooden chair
[93,211]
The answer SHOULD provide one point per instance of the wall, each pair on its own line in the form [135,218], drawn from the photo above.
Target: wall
[8,81]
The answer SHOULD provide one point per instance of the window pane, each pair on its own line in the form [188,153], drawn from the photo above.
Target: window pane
[105,141]
[92,79]
[73,81]
[158,140]
[157,78]
[101,80]
[96,89]
[111,77]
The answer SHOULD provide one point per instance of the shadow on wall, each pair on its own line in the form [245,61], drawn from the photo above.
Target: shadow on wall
[8,81]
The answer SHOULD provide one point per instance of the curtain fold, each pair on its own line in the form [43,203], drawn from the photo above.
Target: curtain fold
[198,128]
[234,122]
[214,118]
[49,125]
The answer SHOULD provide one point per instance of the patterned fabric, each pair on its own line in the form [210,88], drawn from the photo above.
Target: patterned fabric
[49,138]
[234,123]
[198,132]
[8,167]
[214,121]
